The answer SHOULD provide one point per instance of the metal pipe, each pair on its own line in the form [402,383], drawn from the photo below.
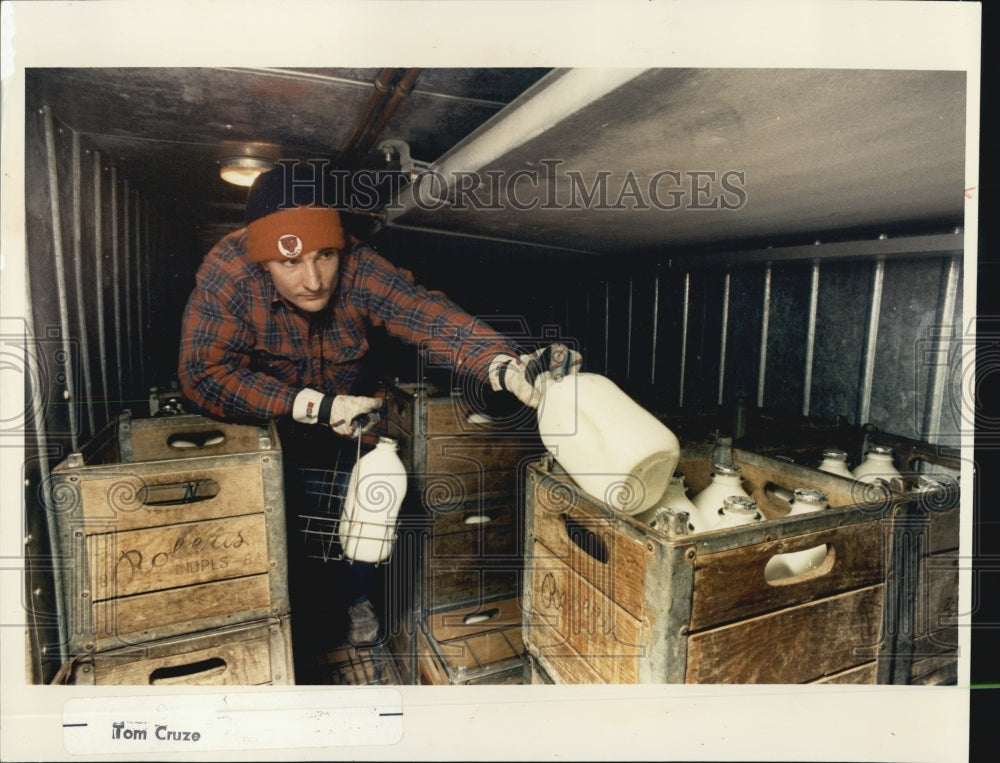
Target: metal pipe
[810,340]
[116,282]
[868,369]
[557,95]
[69,393]
[81,306]
[656,324]
[686,306]
[725,332]
[381,88]
[102,347]
[399,91]
[764,328]
[945,335]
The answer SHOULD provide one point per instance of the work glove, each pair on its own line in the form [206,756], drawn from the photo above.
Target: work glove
[523,376]
[340,412]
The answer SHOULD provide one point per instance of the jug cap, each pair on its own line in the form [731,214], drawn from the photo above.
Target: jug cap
[677,477]
[383,440]
[728,469]
[835,453]
[882,450]
[925,482]
[811,496]
[739,504]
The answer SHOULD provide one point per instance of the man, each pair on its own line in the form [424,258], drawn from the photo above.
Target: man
[276,329]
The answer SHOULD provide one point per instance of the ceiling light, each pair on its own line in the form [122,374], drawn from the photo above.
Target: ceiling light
[243,170]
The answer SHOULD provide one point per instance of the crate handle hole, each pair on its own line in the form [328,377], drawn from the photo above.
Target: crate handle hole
[481,617]
[201,669]
[186,440]
[179,493]
[478,519]
[587,540]
[795,567]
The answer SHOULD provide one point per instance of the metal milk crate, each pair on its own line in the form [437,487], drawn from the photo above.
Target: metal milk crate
[167,526]
[610,599]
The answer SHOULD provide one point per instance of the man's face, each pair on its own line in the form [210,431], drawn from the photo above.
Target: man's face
[307,281]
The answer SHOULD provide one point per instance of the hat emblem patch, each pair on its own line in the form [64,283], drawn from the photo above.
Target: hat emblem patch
[290,245]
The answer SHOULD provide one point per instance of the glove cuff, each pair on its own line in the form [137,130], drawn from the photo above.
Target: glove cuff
[309,407]
[497,369]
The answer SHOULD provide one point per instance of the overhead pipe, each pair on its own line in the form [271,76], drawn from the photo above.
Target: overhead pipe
[382,87]
[399,91]
[552,99]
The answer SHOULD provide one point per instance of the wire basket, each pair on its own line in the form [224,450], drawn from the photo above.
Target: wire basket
[320,524]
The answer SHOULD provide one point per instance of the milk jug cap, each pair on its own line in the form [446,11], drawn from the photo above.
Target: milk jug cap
[810,496]
[726,469]
[739,504]
[881,450]
[835,454]
[929,483]
[389,441]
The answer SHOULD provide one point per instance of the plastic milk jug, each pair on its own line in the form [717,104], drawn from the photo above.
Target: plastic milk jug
[726,481]
[374,495]
[613,448]
[737,510]
[835,462]
[794,563]
[876,465]
[676,497]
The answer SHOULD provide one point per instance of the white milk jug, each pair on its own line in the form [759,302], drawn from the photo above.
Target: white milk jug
[876,465]
[374,495]
[835,462]
[726,481]
[737,510]
[613,448]
[796,563]
[676,497]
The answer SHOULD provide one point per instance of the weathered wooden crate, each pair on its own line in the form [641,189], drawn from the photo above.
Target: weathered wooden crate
[256,653]
[453,451]
[479,644]
[922,623]
[158,540]
[610,599]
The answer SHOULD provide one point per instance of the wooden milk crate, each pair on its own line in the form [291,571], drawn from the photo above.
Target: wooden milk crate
[255,653]
[452,454]
[479,644]
[923,621]
[610,599]
[169,526]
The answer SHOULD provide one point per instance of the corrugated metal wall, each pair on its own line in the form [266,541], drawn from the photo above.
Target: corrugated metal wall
[108,272]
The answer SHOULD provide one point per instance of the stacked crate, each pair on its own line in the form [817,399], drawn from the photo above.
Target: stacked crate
[460,546]
[172,535]
[609,599]
[926,545]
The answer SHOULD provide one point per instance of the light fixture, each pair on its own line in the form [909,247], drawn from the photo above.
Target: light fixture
[243,170]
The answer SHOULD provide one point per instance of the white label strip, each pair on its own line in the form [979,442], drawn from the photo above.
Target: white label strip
[233,721]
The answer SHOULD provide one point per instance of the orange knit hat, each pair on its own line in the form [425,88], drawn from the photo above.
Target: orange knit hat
[286,218]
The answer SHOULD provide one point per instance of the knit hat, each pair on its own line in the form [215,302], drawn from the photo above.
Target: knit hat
[286,218]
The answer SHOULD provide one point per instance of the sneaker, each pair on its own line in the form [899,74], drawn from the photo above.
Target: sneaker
[362,628]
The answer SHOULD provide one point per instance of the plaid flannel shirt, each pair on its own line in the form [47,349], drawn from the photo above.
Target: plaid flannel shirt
[246,352]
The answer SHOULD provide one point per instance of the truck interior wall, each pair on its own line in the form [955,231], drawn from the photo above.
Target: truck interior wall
[111,261]
[109,269]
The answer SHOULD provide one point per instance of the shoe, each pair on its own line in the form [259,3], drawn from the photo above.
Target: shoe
[362,624]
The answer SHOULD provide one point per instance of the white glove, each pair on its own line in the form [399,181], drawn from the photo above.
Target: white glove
[337,411]
[523,376]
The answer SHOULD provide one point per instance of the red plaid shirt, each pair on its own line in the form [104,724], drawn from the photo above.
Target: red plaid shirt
[246,352]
